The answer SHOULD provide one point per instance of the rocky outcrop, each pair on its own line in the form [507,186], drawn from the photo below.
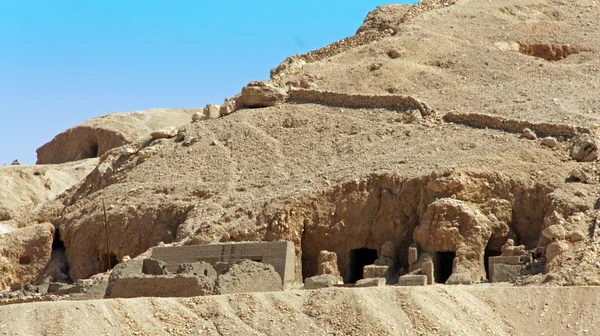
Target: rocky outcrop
[584,148]
[95,137]
[451,225]
[261,94]
[24,253]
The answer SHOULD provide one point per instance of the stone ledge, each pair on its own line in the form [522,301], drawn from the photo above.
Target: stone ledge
[480,120]
[357,100]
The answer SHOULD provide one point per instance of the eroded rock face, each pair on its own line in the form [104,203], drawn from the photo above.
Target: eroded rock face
[261,94]
[328,264]
[451,225]
[24,253]
[95,137]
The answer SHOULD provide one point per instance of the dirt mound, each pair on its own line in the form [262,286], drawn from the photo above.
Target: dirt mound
[433,310]
[95,137]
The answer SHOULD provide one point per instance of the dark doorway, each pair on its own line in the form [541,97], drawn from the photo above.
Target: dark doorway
[108,264]
[486,259]
[443,269]
[358,259]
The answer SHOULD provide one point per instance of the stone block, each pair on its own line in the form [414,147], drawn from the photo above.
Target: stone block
[15,286]
[320,281]
[281,255]
[511,260]
[69,289]
[413,280]
[504,272]
[154,267]
[428,271]
[371,282]
[54,286]
[178,285]
[375,271]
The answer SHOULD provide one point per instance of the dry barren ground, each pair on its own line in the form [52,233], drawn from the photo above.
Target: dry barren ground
[433,310]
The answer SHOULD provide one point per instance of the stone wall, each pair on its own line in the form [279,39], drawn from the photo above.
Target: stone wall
[357,100]
[480,120]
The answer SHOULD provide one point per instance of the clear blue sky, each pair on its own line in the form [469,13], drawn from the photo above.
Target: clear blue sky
[63,62]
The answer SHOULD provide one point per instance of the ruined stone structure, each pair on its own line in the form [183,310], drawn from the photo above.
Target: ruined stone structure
[278,254]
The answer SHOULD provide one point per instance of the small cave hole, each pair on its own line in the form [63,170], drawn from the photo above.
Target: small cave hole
[57,243]
[444,265]
[25,260]
[105,261]
[486,259]
[359,258]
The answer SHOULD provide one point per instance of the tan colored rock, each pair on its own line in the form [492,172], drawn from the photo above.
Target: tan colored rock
[328,264]
[556,231]
[261,94]
[580,175]
[555,249]
[228,107]
[529,134]
[24,253]
[248,276]
[576,236]
[549,142]
[320,281]
[97,136]
[584,148]
[164,133]
[451,225]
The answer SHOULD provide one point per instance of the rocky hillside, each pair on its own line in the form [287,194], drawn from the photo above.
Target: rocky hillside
[456,126]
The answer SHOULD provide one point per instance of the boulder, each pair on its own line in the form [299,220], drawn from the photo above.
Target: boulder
[24,253]
[556,231]
[529,134]
[549,142]
[320,281]
[555,249]
[261,94]
[228,107]
[584,148]
[371,282]
[576,236]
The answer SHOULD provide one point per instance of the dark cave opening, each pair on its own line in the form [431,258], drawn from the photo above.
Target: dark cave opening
[486,259]
[443,266]
[359,258]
